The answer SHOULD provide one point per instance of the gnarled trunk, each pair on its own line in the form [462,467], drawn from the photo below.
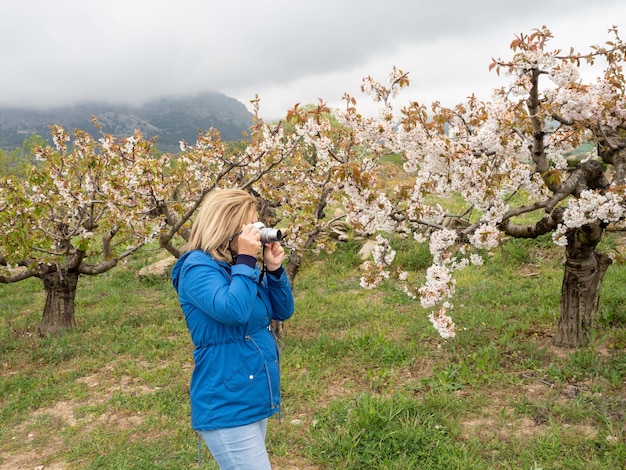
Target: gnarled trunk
[294,263]
[580,292]
[580,296]
[292,268]
[58,312]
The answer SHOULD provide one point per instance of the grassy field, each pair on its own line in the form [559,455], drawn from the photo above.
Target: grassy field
[367,383]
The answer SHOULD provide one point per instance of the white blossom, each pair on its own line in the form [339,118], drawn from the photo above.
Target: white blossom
[443,323]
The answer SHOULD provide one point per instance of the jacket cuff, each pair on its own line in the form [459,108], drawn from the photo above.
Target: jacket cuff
[248,260]
[278,272]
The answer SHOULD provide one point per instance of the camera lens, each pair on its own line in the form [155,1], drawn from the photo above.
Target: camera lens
[268,235]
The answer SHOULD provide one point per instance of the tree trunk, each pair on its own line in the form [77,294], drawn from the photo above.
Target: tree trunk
[294,263]
[58,313]
[293,266]
[580,292]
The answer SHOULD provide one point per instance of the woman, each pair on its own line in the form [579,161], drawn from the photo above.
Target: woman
[228,303]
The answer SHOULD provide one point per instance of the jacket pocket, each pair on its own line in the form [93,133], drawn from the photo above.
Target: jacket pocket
[246,375]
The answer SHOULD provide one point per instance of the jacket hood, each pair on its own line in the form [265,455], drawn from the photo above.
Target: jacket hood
[177,268]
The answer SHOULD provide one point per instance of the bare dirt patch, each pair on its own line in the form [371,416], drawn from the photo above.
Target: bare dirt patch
[39,429]
[498,420]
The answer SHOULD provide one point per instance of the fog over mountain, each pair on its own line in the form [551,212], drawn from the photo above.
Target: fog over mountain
[170,119]
[284,51]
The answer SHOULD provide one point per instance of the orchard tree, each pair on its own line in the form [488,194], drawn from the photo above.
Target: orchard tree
[506,159]
[80,210]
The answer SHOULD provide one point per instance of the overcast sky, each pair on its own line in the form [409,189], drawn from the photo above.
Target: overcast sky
[286,51]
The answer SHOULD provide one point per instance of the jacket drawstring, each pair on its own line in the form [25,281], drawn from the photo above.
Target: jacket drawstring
[199,449]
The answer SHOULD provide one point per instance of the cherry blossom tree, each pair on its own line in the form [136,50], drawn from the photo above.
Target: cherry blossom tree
[506,159]
[80,211]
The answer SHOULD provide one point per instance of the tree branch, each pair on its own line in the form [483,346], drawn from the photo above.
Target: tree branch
[588,175]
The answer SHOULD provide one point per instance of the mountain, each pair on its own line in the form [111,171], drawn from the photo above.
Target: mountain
[171,119]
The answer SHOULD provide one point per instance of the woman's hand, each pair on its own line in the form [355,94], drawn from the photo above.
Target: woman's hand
[249,241]
[273,254]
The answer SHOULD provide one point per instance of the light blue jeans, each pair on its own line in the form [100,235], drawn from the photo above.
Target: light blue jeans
[239,448]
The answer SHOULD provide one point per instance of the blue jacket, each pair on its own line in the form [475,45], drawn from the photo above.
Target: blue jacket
[236,378]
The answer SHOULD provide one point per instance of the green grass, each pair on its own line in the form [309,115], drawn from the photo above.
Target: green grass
[367,383]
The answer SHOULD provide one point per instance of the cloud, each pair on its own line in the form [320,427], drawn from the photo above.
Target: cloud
[56,53]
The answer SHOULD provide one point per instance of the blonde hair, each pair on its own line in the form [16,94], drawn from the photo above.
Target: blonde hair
[221,216]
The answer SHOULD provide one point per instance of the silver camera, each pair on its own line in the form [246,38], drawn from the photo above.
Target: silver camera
[268,235]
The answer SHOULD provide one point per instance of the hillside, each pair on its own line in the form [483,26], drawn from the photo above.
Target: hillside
[171,119]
